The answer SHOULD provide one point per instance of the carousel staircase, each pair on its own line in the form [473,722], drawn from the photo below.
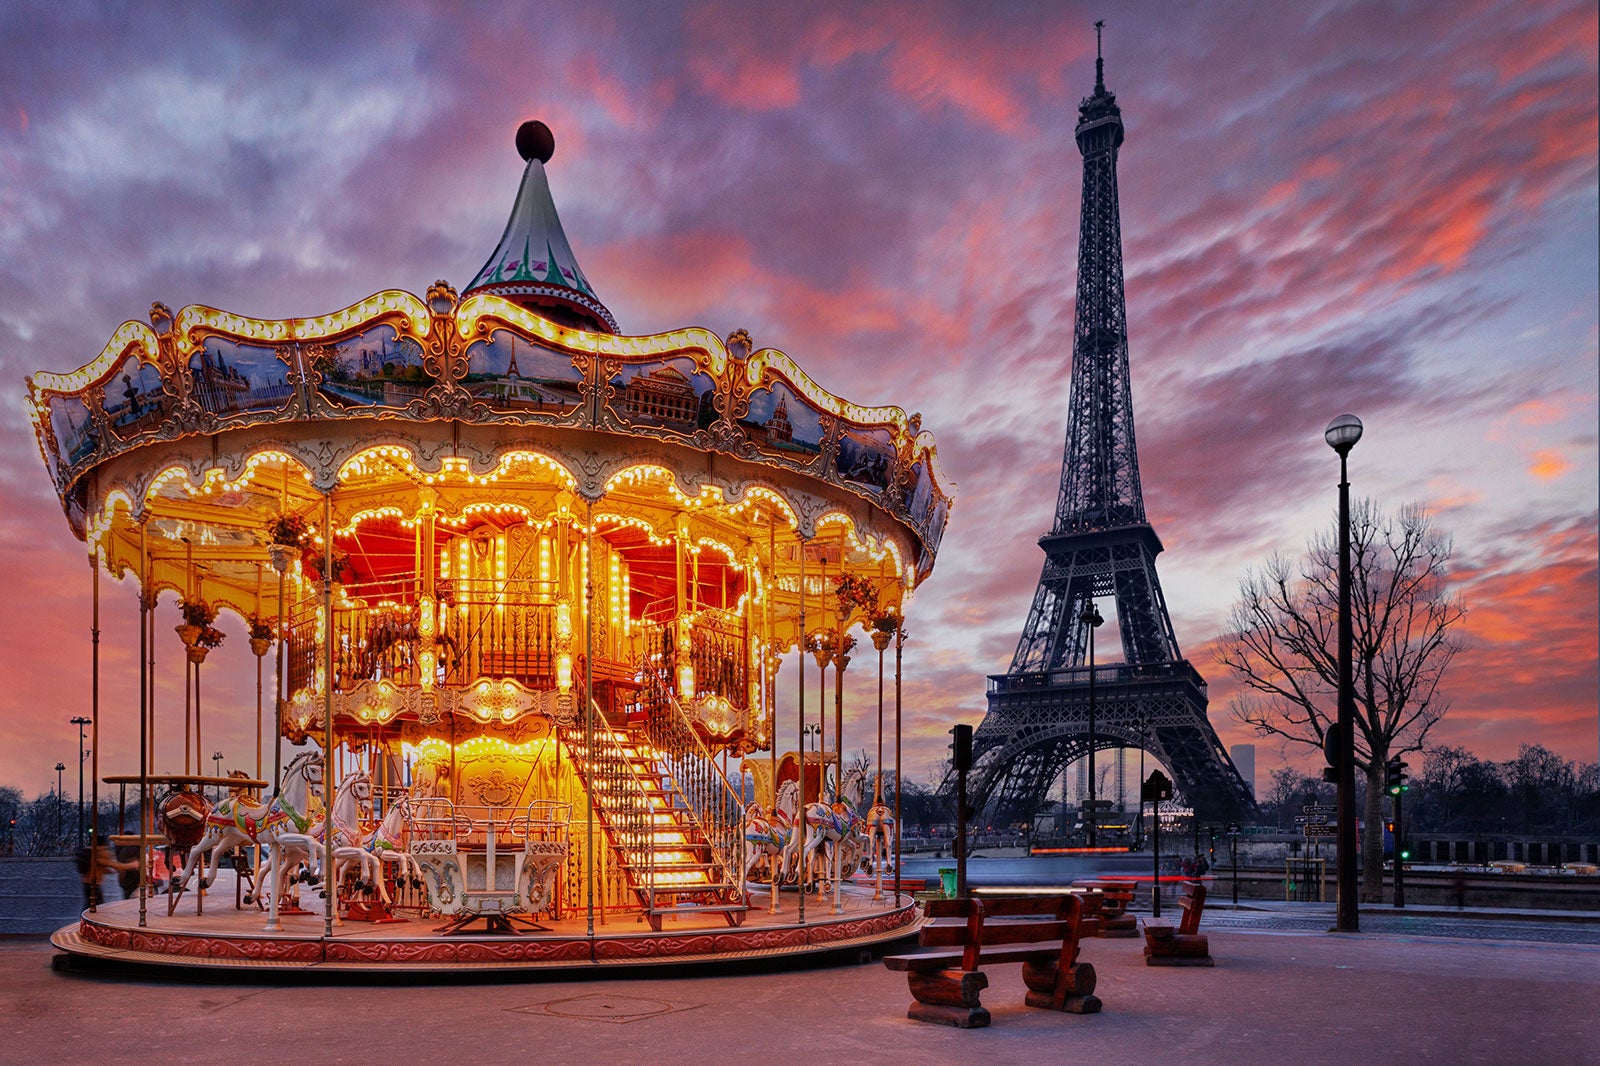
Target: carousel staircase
[666,857]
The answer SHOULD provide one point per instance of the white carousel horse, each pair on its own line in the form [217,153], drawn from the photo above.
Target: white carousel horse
[237,821]
[834,827]
[351,800]
[389,839]
[767,836]
[880,834]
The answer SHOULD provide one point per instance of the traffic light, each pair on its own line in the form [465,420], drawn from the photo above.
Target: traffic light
[961,748]
[1388,827]
[1394,778]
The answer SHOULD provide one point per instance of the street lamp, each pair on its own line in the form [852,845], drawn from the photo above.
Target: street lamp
[1091,618]
[811,731]
[60,769]
[1341,435]
[217,759]
[80,721]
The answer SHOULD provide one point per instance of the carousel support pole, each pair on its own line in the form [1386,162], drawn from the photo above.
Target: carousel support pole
[330,885]
[880,641]
[145,821]
[823,654]
[840,661]
[258,672]
[899,643]
[188,692]
[767,694]
[800,722]
[280,563]
[588,697]
[94,722]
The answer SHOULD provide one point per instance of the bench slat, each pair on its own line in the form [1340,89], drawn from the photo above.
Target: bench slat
[951,958]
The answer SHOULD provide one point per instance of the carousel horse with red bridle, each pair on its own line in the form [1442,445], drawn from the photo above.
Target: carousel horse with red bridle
[767,836]
[833,831]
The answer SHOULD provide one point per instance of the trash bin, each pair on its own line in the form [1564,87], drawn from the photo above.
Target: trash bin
[947,877]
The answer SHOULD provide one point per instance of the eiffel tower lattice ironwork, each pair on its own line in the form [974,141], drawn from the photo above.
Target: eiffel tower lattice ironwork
[1101,546]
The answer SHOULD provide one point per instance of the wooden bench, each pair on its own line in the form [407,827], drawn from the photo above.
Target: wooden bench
[1184,945]
[1115,899]
[1040,932]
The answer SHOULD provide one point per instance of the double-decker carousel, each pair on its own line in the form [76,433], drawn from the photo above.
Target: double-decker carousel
[520,586]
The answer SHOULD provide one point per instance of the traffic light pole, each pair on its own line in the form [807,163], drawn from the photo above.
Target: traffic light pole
[1399,855]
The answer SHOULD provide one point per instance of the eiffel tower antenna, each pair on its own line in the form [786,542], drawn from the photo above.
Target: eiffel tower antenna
[1045,713]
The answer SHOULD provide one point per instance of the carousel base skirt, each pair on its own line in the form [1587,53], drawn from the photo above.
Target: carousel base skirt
[225,937]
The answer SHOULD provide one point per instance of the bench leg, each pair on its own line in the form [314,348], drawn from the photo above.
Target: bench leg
[1192,950]
[949,997]
[1051,989]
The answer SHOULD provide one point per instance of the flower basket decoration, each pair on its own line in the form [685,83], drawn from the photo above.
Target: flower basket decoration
[260,635]
[287,529]
[856,594]
[197,617]
[209,637]
[884,627]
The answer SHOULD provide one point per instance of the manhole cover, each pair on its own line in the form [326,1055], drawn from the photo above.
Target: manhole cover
[601,1008]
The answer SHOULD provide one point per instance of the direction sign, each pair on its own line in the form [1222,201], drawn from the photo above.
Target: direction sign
[1302,819]
[1321,829]
[1099,803]
[1321,808]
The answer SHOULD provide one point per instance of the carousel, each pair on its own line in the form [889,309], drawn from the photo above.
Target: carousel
[517,588]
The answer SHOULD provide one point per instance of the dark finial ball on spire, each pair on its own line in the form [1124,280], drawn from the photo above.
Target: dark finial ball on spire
[535,141]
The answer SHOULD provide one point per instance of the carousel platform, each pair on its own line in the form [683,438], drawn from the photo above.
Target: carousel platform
[230,938]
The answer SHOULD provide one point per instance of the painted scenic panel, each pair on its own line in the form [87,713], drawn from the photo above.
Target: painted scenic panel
[76,436]
[226,377]
[663,394]
[866,457]
[377,368]
[921,491]
[136,400]
[511,373]
[782,422]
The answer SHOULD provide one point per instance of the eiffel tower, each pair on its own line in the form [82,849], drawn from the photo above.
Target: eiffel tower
[1100,547]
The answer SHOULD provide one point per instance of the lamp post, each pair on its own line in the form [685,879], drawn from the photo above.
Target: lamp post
[1091,618]
[1341,435]
[216,758]
[80,721]
[811,730]
[60,769]
[1143,727]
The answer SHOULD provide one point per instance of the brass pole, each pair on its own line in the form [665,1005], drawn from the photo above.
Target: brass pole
[94,716]
[800,720]
[330,886]
[145,821]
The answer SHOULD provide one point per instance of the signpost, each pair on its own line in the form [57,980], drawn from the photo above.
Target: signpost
[1156,788]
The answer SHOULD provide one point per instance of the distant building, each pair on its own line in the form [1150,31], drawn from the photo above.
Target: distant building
[1244,760]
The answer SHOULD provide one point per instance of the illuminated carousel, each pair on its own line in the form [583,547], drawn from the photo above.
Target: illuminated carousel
[520,586]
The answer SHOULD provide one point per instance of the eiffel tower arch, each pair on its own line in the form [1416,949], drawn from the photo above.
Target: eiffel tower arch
[1101,547]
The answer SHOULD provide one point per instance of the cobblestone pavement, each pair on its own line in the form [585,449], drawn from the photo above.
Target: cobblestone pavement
[1540,932]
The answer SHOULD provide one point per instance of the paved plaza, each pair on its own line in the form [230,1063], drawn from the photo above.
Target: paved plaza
[1283,991]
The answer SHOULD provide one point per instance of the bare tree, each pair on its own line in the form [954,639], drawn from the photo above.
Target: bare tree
[1282,645]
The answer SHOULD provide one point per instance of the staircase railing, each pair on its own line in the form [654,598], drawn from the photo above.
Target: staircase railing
[619,796]
[699,783]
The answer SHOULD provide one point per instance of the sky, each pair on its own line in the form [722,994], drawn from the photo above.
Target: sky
[1382,208]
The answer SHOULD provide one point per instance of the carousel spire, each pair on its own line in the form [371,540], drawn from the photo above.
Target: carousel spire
[533,264]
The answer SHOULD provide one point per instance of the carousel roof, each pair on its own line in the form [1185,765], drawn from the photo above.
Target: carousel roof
[533,264]
[184,438]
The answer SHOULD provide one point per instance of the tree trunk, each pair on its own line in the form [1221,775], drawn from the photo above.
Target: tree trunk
[1372,835]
